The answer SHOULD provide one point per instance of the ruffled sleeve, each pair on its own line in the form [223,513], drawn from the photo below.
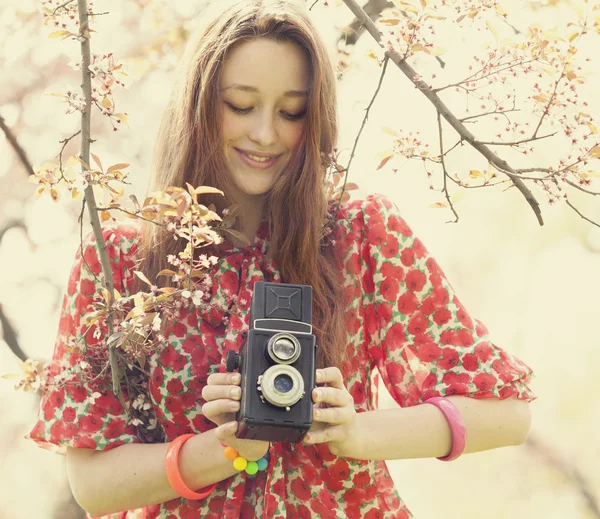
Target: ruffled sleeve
[86,415]
[421,337]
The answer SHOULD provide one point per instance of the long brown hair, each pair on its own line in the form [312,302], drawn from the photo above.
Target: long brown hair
[188,149]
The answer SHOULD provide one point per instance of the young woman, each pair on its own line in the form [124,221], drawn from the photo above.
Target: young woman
[253,113]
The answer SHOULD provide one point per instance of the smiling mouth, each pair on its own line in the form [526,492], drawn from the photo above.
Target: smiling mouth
[256,161]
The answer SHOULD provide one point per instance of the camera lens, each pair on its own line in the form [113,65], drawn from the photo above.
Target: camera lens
[283,383]
[283,348]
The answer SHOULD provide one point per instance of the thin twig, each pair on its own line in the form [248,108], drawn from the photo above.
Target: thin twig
[516,143]
[443,162]
[573,184]
[11,138]
[130,213]
[364,121]
[582,216]
[441,107]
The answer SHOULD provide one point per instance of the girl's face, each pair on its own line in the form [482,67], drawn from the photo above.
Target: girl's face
[262,105]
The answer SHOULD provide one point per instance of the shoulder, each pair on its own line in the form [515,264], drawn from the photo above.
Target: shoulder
[356,214]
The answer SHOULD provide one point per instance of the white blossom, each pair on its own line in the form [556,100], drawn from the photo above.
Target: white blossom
[156,322]
[92,398]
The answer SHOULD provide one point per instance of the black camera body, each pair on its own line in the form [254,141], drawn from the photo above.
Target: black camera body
[277,364]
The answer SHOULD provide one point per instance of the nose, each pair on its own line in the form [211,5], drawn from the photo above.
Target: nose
[263,131]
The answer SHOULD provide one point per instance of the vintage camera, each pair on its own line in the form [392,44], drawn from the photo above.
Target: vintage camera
[277,364]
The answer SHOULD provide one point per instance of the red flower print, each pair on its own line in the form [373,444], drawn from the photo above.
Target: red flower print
[397,224]
[462,315]
[483,351]
[367,282]
[384,313]
[174,405]
[361,479]
[340,469]
[453,378]
[407,303]
[57,397]
[389,289]
[229,281]
[178,329]
[429,305]
[374,513]
[390,269]
[353,264]
[114,428]
[301,489]
[354,496]
[457,389]
[333,484]
[449,358]
[370,319]
[395,373]
[91,258]
[358,393]
[87,287]
[418,248]
[407,257]
[191,343]
[395,337]
[484,381]
[69,414]
[441,296]
[309,473]
[352,511]
[418,324]
[352,322]
[465,337]
[415,280]
[174,386]
[448,337]
[84,442]
[376,234]
[327,499]
[390,249]
[170,358]
[198,359]
[429,352]
[470,362]
[442,316]
[90,424]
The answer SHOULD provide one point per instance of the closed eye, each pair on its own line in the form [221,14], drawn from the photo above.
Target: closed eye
[286,115]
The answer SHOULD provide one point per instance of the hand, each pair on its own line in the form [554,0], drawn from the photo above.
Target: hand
[222,394]
[334,414]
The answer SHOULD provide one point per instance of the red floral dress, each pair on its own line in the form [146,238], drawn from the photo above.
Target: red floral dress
[403,319]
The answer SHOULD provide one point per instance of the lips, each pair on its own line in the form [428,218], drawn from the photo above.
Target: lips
[257,164]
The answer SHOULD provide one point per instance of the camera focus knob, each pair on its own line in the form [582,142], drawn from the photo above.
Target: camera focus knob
[232,361]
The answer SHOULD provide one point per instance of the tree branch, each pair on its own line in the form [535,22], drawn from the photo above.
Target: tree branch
[89,190]
[11,138]
[582,216]
[462,130]
[443,162]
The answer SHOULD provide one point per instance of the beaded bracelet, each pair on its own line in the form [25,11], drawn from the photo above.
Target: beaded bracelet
[240,463]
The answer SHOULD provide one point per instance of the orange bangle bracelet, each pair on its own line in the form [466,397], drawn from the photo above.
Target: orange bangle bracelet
[173,474]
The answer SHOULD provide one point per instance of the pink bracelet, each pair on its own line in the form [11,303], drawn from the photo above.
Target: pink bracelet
[456,423]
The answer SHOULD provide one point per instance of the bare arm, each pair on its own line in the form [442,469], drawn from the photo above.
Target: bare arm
[133,475]
[422,431]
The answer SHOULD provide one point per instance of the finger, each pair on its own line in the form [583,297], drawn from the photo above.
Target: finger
[328,434]
[226,433]
[215,392]
[333,415]
[221,379]
[331,376]
[219,407]
[332,396]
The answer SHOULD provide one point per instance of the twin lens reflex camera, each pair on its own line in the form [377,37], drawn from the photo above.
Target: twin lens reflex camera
[277,364]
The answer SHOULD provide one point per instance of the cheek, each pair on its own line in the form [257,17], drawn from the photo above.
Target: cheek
[230,127]
[293,136]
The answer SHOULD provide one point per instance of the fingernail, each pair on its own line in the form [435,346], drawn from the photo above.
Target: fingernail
[236,392]
[319,375]
[307,438]
[317,394]
[236,378]
[232,426]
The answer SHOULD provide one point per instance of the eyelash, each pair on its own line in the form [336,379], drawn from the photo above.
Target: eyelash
[286,115]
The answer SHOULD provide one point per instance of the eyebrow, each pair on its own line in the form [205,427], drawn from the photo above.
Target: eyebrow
[248,88]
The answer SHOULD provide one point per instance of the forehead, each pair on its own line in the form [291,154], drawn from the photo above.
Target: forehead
[272,67]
